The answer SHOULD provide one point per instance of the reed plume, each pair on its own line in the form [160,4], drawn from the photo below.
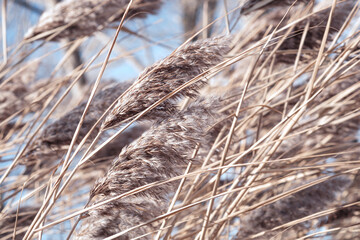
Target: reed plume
[21,219]
[78,18]
[61,131]
[13,93]
[159,154]
[249,6]
[104,157]
[296,206]
[317,25]
[291,123]
[9,104]
[346,216]
[191,16]
[164,77]
[55,138]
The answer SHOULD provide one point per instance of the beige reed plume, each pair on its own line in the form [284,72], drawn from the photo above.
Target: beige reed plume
[13,93]
[298,205]
[317,26]
[164,77]
[104,157]
[78,18]
[55,138]
[159,154]
[253,5]
[20,218]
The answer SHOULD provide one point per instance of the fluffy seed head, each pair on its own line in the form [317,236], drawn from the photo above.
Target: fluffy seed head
[58,135]
[299,205]
[253,5]
[164,77]
[160,153]
[79,18]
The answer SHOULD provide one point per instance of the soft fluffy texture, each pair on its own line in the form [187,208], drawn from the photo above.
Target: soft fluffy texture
[164,77]
[84,17]
[160,153]
[253,5]
[296,206]
[314,36]
[55,138]
[21,217]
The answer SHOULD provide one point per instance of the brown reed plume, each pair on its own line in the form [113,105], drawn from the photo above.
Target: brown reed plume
[112,150]
[296,206]
[346,216]
[19,218]
[55,138]
[252,5]
[159,154]
[164,77]
[13,93]
[317,25]
[292,125]
[84,17]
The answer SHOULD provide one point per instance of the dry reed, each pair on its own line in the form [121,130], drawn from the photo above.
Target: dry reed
[159,154]
[55,138]
[16,222]
[317,23]
[79,18]
[165,76]
[281,169]
[249,6]
[312,200]
[13,94]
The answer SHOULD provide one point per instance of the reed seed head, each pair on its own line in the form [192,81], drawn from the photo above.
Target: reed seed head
[73,19]
[164,77]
